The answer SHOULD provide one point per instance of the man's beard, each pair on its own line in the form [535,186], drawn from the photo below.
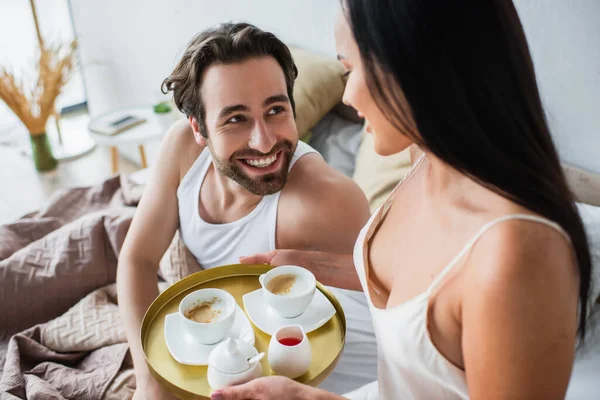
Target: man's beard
[265,184]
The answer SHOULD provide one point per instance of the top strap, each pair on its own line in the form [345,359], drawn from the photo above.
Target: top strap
[486,228]
[390,200]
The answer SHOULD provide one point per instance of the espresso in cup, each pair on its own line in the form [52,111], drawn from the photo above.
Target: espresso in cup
[208,314]
[204,312]
[288,289]
[287,284]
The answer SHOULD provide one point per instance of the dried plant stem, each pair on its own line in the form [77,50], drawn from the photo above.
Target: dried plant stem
[35,103]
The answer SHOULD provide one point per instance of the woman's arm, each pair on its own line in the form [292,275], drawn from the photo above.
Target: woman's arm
[519,314]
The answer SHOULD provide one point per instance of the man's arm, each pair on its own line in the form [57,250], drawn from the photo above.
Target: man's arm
[149,236]
[322,212]
[330,269]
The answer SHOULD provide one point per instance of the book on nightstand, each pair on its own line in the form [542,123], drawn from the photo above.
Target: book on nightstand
[117,125]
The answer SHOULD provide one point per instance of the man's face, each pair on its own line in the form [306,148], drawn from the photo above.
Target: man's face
[252,134]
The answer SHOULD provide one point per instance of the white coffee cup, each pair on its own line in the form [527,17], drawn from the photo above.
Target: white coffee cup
[216,330]
[290,360]
[294,303]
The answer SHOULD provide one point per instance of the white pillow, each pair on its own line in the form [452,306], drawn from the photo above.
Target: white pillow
[591,221]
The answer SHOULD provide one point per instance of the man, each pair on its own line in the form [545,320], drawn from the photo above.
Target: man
[234,180]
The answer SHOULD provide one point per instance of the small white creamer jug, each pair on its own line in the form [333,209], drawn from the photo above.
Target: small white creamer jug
[290,353]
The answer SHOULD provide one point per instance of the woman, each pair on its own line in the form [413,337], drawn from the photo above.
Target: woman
[477,268]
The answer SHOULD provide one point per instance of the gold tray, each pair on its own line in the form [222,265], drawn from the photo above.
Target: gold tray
[189,382]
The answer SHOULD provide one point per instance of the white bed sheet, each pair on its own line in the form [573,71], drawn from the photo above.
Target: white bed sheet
[585,379]
[358,364]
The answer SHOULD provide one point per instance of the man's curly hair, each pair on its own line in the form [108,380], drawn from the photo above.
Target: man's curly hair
[228,43]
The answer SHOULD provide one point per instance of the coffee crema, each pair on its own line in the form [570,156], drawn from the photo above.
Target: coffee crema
[203,312]
[282,284]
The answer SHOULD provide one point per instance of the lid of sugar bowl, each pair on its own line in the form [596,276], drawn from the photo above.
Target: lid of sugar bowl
[232,356]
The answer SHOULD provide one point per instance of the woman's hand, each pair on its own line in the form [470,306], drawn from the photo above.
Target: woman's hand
[272,388]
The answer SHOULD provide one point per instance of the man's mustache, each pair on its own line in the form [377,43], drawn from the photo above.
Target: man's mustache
[285,144]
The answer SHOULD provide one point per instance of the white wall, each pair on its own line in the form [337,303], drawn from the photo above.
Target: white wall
[129,46]
[564,39]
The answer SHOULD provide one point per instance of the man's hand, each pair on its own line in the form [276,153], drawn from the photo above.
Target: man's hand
[329,268]
[280,257]
[272,388]
[150,389]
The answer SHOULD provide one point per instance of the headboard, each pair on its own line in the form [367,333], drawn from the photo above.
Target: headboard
[585,185]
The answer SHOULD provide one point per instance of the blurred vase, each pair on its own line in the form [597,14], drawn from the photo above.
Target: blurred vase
[42,152]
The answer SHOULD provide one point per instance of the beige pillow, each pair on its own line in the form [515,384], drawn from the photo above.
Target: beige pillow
[377,175]
[318,88]
[584,184]
[177,262]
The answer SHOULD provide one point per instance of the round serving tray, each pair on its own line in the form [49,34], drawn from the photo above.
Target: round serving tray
[189,382]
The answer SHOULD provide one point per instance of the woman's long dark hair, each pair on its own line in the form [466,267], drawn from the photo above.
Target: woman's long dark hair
[468,83]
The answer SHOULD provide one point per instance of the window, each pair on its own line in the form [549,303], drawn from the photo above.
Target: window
[19,49]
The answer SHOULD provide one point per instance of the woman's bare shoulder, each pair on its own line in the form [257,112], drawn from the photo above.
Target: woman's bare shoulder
[519,310]
[520,251]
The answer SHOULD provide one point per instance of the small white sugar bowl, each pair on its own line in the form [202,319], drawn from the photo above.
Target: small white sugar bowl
[233,362]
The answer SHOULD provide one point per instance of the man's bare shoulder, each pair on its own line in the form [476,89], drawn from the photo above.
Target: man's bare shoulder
[180,136]
[312,175]
[179,146]
[320,208]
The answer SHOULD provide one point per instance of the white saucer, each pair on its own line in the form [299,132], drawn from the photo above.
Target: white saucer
[319,311]
[187,350]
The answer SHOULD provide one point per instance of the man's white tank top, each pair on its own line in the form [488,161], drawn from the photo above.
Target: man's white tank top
[222,244]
